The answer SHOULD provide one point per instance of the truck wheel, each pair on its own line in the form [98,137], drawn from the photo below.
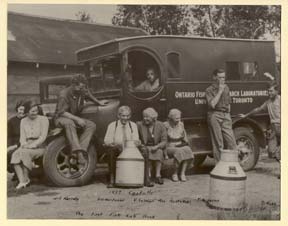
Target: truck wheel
[65,169]
[247,146]
[198,160]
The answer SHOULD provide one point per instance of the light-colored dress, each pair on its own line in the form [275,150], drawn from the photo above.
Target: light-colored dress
[31,131]
[176,136]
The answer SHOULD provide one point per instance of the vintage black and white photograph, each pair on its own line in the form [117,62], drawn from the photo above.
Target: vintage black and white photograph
[144,112]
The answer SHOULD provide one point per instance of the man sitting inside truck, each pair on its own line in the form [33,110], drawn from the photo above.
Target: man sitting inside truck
[70,104]
[151,83]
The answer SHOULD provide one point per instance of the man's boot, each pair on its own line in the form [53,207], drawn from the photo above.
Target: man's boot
[112,169]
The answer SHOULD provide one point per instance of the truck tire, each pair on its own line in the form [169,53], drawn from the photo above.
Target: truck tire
[65,169]
[247,146]
[198,160]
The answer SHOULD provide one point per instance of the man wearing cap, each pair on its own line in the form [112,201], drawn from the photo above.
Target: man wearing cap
[70,104]
[219,119]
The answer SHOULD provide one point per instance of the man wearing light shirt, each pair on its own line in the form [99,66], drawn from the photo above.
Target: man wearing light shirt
[117,133]
[273,106]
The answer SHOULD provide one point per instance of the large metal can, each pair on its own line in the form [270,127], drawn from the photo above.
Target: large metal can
[227,182]
[130,167]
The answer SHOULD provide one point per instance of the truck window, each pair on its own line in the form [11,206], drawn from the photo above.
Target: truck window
[241,71]
[105,75]
[173,65]
[144,73]
[54,90]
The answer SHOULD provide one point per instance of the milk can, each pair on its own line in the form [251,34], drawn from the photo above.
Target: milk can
[130,167]
[227,183]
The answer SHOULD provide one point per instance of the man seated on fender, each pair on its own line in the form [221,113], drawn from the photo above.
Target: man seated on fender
[69,106]
[117,133]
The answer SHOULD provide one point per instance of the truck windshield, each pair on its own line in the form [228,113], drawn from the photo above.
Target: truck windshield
[105,75]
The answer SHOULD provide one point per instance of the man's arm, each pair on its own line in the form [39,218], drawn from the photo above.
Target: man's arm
[109,136]
[79,121]
[94,99]
[255,110]
[213,101]
[141,86]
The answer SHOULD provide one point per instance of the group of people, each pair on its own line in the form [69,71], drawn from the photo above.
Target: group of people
[27,131]
[219,119]
[155,140]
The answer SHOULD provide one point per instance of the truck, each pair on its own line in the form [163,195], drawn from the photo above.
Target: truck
[184,66]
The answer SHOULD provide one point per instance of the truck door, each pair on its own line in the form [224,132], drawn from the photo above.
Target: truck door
[143,86]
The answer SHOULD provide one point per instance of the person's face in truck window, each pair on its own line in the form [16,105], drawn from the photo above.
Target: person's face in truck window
[151,76]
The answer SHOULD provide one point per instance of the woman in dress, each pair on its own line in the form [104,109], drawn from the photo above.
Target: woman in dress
[153,136]
[177,146]
[13,133]
[33,133]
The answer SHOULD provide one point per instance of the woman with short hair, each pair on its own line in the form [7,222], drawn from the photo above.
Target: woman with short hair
[33,133]
[177,146]
[153,136]
[13,133]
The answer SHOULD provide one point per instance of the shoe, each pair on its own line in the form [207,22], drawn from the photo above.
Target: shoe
[81,157]
[183,178]
[110,185]
[149,184]
[23,185]
[279,177]
[159,180]
[175,177]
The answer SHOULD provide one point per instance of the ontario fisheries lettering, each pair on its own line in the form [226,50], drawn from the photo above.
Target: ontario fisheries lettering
[238,96]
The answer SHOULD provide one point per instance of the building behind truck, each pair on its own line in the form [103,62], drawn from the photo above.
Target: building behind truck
[40,47]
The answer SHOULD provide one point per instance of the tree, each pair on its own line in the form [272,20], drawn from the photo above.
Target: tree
[230,21]
[84,16]
[235,21]
[155,19]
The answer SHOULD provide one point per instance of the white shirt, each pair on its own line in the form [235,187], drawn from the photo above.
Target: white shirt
[116,135]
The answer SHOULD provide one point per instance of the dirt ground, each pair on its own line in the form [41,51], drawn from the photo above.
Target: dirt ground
[171,201]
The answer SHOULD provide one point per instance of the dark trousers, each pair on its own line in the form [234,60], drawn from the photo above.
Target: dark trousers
[113,153]
[220,126]
[274,141]
[71,128]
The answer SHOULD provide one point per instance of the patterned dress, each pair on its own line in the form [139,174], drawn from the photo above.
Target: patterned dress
[176,137]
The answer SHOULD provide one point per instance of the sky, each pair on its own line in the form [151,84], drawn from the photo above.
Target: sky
[99,13]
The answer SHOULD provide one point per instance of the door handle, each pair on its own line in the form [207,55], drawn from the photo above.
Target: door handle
[163,99]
